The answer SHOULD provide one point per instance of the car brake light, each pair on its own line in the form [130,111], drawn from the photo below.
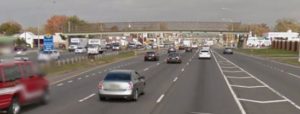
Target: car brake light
[130,85]
[100,85]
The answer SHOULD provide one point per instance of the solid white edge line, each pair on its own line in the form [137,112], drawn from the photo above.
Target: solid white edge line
[86,98]
[160,98]
[230,88]
[273,90]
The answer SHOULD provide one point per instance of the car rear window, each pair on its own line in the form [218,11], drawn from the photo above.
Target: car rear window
[11,73]
[27,70]
[150,52]
[204,51]
[118,77]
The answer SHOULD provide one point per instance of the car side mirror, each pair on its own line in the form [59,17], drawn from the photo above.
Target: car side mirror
[142,78]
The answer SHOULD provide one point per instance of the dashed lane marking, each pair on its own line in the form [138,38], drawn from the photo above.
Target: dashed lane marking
[160,98]
[79,78]
[146,69]
[182,69]
[70,81]
[175,79]
[60,84]
[86,98]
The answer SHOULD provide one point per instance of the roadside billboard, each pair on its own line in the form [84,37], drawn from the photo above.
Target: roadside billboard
[48,43]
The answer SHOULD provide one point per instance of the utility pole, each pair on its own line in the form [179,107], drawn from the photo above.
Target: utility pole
[38,36]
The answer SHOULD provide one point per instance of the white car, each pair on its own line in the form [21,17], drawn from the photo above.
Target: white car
[48,55]
[194,46]
[80,50]
[204,54]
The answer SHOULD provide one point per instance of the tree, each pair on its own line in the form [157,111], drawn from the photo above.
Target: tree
[55,24]
[114,29]
[163,26]
[284,25]
[35,30]
[10,28]
[257,29]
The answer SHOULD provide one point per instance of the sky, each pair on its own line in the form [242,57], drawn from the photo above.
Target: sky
[36,12]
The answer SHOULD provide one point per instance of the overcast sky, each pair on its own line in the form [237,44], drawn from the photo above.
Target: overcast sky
[34,12]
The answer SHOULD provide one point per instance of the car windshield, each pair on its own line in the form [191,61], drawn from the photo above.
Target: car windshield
[118,76]
[150,53]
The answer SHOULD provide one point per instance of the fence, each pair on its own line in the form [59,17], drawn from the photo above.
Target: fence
[285,45]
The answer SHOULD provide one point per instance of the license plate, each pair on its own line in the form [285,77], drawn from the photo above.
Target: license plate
[114,86]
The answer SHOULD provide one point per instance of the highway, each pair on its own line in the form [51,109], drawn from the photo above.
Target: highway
[224,84]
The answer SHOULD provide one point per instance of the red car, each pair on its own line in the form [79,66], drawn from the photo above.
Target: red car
[21,83]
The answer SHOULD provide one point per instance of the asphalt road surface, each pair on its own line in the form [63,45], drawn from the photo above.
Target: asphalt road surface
[224,84]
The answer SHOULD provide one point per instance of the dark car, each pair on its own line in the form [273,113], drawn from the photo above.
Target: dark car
[20,48]
[127,84]
[108,46]
[174,58]
[172,50]
[188,49]
[151,56]
[228,51]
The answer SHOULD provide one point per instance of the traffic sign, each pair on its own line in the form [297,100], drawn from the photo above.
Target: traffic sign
[48,43]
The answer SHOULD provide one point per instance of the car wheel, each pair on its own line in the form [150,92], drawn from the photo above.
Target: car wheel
[102,98]
[45,98]
[15,107]
[135,95]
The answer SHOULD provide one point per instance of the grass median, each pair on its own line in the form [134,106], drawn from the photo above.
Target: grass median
[54,69]
[289,57]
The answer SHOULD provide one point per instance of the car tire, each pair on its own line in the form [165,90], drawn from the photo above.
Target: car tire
[101,98]
[135,95]
[15,107]
[45,97]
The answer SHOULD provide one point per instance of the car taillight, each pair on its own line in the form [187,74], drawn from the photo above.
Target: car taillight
[130,85]
[100,85]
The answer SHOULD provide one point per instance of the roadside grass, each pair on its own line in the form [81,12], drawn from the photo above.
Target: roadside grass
[53,70]
[289,57]
[269,52]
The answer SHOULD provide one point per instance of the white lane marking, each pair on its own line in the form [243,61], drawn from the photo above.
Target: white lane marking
[263,102]
[175,79]
[249,87]
[236,77]
[157,64]
[281,70]
[87,76]
[146,69]
[228,67]
[263,83]
[160,98]
[232,71]
[70,81]
[79,78]
[86,98]
[199,113]
[187,63]
[105,70]
[60,84]
[297,76]
[99,72]
[182,69]
[241,108]
[93,74]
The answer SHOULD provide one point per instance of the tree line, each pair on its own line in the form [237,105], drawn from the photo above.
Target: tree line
[62,23]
